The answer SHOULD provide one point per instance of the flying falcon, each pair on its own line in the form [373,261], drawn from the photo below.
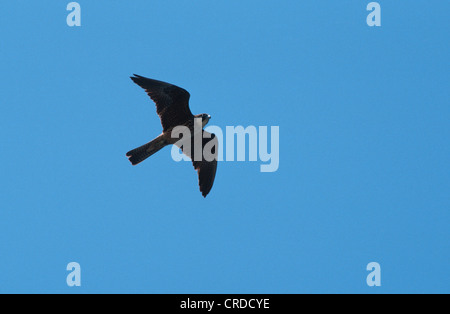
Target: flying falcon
[172,106]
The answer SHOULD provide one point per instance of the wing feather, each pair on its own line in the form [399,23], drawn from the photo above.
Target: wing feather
[207,166]
[172,102]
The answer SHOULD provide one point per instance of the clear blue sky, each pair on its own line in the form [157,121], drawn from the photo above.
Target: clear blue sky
[364,147]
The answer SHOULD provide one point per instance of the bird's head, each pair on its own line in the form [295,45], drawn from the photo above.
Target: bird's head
[205,118]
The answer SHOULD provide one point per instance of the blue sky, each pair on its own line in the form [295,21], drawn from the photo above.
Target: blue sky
[364,155]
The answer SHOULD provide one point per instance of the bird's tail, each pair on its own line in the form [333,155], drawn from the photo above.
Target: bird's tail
[141,153]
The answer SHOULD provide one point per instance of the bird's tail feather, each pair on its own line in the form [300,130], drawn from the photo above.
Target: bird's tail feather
[141,153]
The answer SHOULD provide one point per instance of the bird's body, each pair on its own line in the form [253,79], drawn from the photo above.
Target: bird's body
[172,106]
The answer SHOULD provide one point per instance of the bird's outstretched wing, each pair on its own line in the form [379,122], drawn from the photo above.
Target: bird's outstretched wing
[172,102]
[207,166]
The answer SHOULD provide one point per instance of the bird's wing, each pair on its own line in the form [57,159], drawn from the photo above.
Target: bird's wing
[207,166]
[172,102]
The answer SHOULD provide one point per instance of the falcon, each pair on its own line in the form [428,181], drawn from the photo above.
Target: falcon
[172,107]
